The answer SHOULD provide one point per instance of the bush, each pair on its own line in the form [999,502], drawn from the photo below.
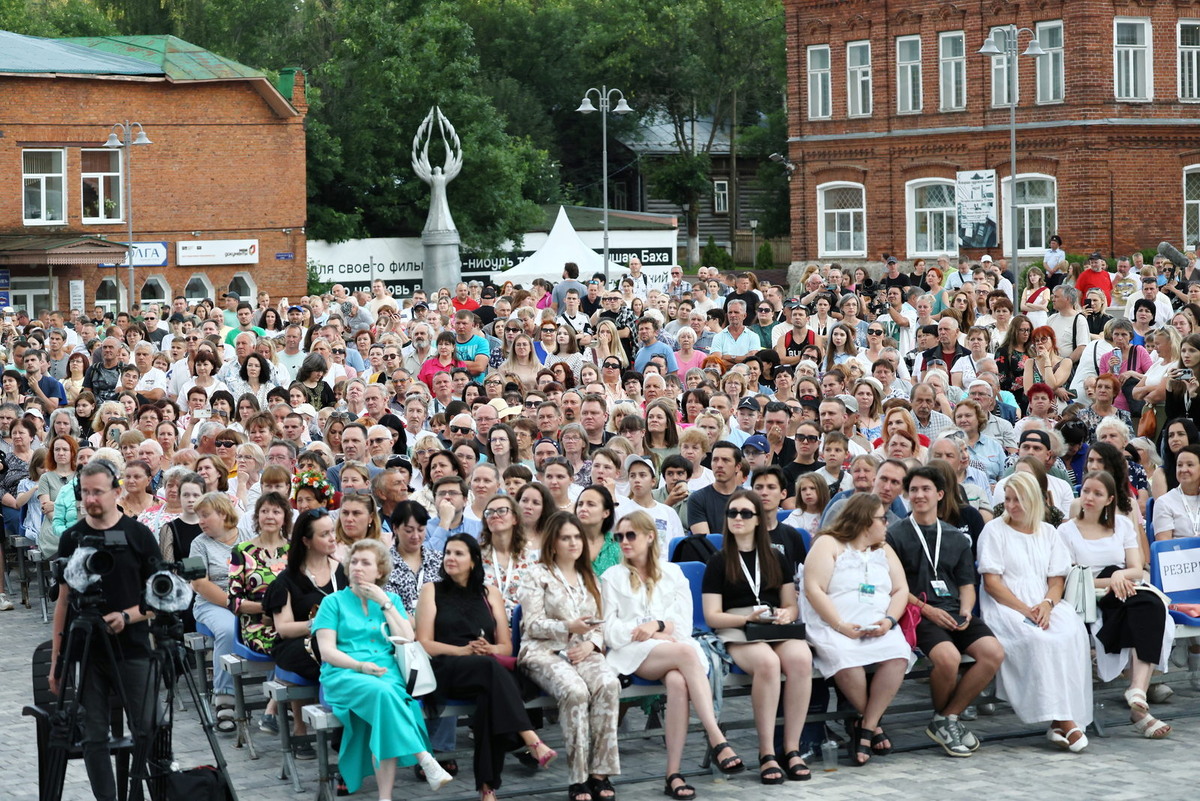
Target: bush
[714,255]
[765,258]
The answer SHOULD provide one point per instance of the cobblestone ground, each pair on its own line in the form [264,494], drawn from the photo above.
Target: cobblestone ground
[1015,762]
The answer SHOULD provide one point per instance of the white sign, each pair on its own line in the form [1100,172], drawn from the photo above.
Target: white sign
[76,293]
[146,254]
[1179,570]
[975,195]
[216,251]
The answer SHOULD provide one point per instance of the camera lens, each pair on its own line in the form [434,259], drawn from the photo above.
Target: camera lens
[99,563]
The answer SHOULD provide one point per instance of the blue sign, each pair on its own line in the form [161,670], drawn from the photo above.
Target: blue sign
[5,300]
[5,279]
[285,257]
[145,254]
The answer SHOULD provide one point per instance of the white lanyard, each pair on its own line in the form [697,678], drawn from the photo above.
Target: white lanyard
[572,590]
[937,545]
[504,575]
[1193,514]
[754,581]
[332,580]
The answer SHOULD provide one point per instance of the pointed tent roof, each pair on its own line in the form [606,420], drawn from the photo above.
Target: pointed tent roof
[562,245]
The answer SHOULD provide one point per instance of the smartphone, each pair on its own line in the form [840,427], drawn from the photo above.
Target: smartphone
[1030,622]
[594,621]
[871,627]
[203,414]
[959,619]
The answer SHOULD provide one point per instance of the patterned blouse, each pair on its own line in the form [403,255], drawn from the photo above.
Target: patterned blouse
[508,580]
[407,584]
[610,554]
[252,568]
[156,517]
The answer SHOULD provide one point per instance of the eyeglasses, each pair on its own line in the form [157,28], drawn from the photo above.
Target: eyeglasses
[390,356]
[226,443]
[764,310]
[425,452]
[460,430]
[744,514]
[379,440]
[533,404]
[450,494]
[317,513]
[549,330]
[490,513]
[621,536]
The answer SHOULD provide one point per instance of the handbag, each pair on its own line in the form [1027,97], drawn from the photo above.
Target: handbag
[1148,423]
[415,667]
[1080,592]
[772,632]
[203,783]
[909,621]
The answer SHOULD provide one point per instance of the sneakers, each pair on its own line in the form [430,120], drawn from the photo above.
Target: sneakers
[948,734]
[268,724]
[304,751]
[968,737]
[968,714]
[5,604]
[435,775]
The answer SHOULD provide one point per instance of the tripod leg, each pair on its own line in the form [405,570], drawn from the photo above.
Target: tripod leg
[65,719]
[210,729]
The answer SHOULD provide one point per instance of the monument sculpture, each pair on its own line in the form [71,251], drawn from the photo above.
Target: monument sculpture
[440,239]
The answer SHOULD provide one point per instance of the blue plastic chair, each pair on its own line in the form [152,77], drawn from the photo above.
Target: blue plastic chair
[1184,596]
[694,573]
[672,545]
[717,540]
[1150,521]
[804,535]
[783,514]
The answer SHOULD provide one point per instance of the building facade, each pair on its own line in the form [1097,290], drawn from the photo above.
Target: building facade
[218,192]
[890,100]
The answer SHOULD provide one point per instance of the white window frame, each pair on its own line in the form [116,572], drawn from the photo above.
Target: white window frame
[1129,53]
[210,291]
[1194,206]
[999,71]
[952,73]
[251,286]
[820,84]
[859,78]
[42,177]
[110,305]
[911,212]
[1009,229]
[1189,54]
[1051,67]
[720,196]
[909,79]
[821,190]
[109,180]
[164,291]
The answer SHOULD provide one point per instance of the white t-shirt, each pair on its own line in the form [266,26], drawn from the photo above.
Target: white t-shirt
[1099,554]
[1177,513]
[153,379]
[666,519]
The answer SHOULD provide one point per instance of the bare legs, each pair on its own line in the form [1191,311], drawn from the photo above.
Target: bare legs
[768,664]
[951,693]
[871,700]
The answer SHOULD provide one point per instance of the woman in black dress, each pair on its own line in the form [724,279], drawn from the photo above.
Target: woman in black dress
[462,624]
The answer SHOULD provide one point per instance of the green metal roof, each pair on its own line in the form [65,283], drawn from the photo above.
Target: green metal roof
[179,60]
[31,54]
[587,218]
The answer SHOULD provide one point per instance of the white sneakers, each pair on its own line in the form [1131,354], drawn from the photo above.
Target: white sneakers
[5,604]
[435,775]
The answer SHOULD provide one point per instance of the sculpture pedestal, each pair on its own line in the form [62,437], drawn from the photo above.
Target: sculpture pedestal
[443,266]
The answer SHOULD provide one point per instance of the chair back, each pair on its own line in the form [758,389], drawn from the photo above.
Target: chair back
[694,573]
[1175,568]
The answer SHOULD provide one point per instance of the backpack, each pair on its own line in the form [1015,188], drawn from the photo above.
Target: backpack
[694,548]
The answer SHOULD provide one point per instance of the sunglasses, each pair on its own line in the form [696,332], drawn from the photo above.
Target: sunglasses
[226,443]
[807,438]
[390,356]
[513,329]
[549,330]
[612,365]
[460,430]
[532,404]
[764,310]
[339,351]
[621,536]
[745,514]
[875,332]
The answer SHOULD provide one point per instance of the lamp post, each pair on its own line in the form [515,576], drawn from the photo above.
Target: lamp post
[991,49]
[605,96]
[127,140]
[753,244]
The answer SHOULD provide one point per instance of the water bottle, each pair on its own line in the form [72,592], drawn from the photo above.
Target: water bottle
[829,755]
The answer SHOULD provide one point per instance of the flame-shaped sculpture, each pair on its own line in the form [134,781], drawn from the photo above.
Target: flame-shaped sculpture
[437,177]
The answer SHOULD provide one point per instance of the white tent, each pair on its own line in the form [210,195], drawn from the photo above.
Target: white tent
[562,245]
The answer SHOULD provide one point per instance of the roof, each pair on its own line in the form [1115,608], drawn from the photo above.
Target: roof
[655,136]
[59,249]
[588,218]
[175,58]
[30,54]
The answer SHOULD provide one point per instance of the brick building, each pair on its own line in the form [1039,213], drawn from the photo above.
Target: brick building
[218,195]
[889,99]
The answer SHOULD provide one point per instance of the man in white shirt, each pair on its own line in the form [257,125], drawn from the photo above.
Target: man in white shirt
[152,383]
[1150,292]
[963,275]
[1069,325]
[291,357]
[736,342]
[641,499]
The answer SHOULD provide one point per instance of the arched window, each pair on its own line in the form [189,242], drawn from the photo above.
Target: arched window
[199,287]
[156,290]
[1037,213]
[245,287]
[841,219]
[932,218]
[108,295]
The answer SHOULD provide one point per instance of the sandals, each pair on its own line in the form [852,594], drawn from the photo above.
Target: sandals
[1079,743]
[1136,699]
[224,717]
[855,747]
[680,792]
[730,764]
[772,775]
[601,789]
[877,743]
[546,758]
[1151,727]
[579,792]
[797,773]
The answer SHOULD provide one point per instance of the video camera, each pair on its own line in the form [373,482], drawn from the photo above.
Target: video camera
[169,590]
[91,561]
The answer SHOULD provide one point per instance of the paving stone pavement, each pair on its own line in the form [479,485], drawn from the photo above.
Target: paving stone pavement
[1014,762]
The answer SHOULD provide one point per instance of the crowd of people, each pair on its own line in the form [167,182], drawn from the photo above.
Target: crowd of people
[914,461]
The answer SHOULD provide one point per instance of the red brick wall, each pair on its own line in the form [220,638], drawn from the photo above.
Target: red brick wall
[222,163]
[1119,186]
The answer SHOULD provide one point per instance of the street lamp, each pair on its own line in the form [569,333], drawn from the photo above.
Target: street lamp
[605,96]
[753,243]
[1009,51]
[127,140]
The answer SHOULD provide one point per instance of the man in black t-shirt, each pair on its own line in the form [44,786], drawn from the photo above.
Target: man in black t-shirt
[706,507]
[123,621]
[892,275]
[768,484]
[940,569]
[744,293]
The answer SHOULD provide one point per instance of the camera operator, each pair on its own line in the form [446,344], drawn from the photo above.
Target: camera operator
[123,621]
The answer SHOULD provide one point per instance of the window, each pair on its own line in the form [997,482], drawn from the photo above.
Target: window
[720,197]
[44,176]
[858,78]
[932,218]
[198,288]
[1001,86]
[1189,60]
[620,196]
[1037,213]
[952,71]
[820,83]
[100,187]
[1050,79]
[1191,207]
[1131,55]
[841,218]
[244,286]
[108,295]
[908,74]
[155,290]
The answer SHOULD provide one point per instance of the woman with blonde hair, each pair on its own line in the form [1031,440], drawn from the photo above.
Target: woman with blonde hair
[358,519]
[1046,673]
[522,362]
[647,607]
[1035,299]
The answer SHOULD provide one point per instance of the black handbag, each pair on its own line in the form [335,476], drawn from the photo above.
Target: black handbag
[768,632]
[203,783]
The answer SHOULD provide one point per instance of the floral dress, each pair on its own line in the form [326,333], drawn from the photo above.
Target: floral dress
[508,578]
[252,568]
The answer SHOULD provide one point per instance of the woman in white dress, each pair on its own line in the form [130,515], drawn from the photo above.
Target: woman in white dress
[1047,673]
[648,630]
[854,594]
[1133,622]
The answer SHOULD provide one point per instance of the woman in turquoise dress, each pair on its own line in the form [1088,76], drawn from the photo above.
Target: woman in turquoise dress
[362,682]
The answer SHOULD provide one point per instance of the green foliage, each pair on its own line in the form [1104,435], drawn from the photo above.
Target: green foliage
[764,259]
[315,285]
[681,178]
[54,18]
[716,256]
[773,204]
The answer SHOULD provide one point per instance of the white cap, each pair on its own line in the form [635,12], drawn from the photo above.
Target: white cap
[985,257]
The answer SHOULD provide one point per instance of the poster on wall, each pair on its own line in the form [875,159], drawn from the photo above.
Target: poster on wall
[975,198]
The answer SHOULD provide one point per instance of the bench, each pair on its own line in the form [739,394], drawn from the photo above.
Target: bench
[284,688]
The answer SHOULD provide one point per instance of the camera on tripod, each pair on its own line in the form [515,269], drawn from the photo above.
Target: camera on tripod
[94,559]
[168,590]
